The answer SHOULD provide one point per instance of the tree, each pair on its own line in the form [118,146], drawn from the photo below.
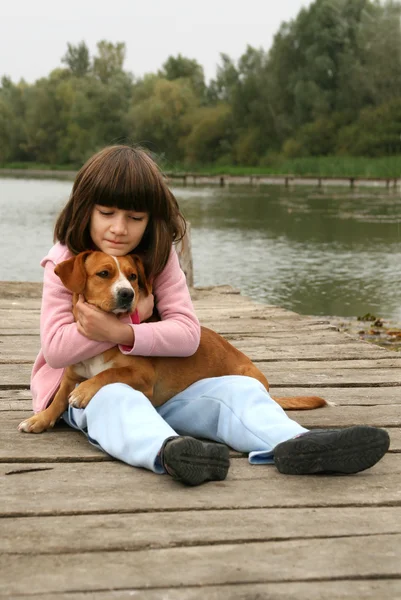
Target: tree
[77,59]
[109,60]
[245,86]
[333,57]
[180,67]
[226,82]
[13,104]
[209,139]
[159,119]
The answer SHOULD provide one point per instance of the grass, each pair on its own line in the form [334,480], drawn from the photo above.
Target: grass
[32,166]
[323,166]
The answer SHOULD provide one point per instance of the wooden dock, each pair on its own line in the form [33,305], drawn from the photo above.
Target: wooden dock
[223,180]
[77,525]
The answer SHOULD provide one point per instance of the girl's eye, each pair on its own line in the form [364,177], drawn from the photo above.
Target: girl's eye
[132,277]
[106,214]
[137,218]
[103,274]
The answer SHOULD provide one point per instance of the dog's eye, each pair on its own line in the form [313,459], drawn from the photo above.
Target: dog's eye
[132,277]
[103,274]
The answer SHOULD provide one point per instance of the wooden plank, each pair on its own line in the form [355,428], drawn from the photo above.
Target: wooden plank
[245,309]
[106,532]
[386,363]
[302,373]
[16,376]
[315,336]
[15,400]
[25,348]
[340,589]
[90,488]
[223,327]
[20,290]
[345,396]
[346,416]
[363,396]
[365,556]
[64,443]
[12,325]
[19,302]
[264,329]
[329,376]
[22,347]
[312,352]
[60,444]
[21,400]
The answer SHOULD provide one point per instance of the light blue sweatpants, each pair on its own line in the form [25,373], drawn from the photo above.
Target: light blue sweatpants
[235,410]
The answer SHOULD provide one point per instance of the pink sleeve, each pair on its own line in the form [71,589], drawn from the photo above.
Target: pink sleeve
[62,344]
[178,332]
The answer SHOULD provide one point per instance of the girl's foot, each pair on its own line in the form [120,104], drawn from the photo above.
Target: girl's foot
[193,462]
[348,450]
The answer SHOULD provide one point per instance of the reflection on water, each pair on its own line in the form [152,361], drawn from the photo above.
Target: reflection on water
[320,252]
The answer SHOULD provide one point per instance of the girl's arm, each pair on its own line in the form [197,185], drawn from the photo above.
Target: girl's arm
[62,344]
[178,332]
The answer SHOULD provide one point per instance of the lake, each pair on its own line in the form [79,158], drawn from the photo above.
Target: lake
[318,251]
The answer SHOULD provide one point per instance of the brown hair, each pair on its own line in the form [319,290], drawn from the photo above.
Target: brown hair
[127,178]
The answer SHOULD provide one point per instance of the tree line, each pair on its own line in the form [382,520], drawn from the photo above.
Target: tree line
[329,85]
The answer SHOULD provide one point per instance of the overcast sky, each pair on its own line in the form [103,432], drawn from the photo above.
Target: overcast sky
[34,33]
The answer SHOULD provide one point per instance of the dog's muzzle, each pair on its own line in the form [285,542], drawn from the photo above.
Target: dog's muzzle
[125,297]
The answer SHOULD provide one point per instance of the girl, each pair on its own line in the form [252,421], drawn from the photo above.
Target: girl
[120,204]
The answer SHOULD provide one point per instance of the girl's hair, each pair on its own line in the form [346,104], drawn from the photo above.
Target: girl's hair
[127,178]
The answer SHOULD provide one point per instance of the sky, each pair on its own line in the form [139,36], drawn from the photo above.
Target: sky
[34,34]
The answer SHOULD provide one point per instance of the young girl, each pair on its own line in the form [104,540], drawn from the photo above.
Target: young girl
[120,204]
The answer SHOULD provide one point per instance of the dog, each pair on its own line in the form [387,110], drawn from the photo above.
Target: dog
[114,284]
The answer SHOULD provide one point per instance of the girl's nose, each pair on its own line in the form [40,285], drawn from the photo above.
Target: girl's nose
[118,226]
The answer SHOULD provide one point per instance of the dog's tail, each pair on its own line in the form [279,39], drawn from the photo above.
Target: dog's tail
[301,402]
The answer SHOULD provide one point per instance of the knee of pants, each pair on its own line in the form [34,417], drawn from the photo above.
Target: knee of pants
[118,392]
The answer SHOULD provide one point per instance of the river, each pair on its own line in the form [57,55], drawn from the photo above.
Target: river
[316,251]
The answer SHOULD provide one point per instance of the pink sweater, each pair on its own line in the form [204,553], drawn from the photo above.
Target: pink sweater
[177,334]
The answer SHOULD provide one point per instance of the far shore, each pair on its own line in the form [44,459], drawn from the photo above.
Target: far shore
[253,179]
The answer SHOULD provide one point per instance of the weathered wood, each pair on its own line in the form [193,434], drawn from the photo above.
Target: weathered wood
[86,533]
[64,444]
[372,556]
[364,589]
[90,488]
[112,530]
[304,374]
[22,319]
[18,291]
[346,396]
[340,347]
[25,348]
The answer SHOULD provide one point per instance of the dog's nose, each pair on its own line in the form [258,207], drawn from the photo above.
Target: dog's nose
[125,295]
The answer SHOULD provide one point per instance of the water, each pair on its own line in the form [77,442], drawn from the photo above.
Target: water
[321,252]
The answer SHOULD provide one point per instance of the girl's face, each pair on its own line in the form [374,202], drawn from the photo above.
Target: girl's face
[115,231]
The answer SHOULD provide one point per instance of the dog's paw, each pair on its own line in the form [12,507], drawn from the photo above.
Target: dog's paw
[35,424]
[82,395]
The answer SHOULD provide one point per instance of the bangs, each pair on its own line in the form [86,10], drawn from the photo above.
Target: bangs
[129,180]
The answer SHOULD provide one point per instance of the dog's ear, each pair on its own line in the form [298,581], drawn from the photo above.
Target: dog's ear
[72,272]
[143,281]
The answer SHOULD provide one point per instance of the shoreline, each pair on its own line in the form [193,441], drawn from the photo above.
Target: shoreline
[222,180]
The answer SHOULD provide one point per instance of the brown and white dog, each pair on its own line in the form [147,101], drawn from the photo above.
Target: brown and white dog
[113,285]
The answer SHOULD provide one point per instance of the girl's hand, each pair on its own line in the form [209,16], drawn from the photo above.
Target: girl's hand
[145,307]
[100,326]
